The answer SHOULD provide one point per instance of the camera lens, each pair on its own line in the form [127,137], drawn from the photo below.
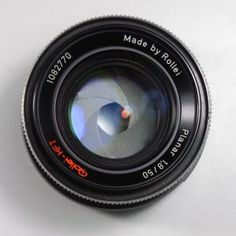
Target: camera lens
[115,112]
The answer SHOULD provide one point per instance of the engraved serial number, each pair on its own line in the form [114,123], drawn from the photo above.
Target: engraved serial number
[57,67]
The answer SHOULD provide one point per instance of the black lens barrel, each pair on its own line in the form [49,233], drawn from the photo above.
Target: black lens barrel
[80,173]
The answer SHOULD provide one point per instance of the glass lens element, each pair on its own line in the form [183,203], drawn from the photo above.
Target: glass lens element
[113,118]
[116,113]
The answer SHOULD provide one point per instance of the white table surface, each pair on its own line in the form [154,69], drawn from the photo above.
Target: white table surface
[205,204]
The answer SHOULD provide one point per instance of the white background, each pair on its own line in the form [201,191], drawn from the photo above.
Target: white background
[205,204]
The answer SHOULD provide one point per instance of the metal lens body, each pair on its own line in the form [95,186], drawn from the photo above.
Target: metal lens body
[115,112]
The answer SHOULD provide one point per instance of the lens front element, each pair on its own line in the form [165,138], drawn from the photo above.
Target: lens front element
[116,113]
